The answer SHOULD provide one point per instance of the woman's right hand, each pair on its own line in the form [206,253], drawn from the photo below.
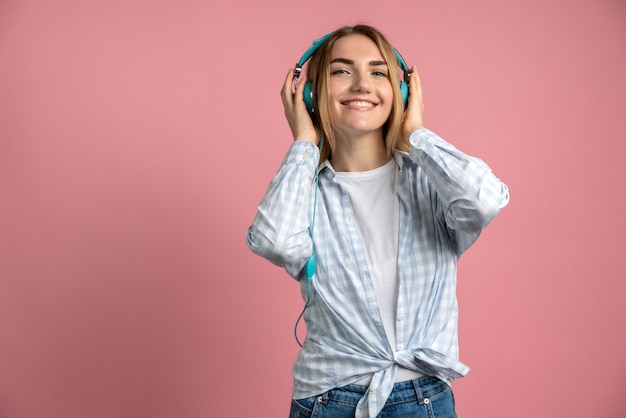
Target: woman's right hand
[297,116]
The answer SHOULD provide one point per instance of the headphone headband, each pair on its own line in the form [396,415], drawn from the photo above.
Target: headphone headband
[320,41]
[307,54]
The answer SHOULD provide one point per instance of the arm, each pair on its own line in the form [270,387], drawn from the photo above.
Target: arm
[469,194]
[280,230]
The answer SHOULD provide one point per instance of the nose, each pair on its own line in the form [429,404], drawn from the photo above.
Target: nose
[361,84]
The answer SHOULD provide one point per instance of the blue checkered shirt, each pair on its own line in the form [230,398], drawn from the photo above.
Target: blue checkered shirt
[446,199]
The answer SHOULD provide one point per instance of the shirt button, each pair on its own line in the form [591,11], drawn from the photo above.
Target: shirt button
[373,388]
[305,158]
[400,318]
[400,347]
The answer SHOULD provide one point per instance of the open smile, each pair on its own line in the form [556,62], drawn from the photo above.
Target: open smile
[361,104]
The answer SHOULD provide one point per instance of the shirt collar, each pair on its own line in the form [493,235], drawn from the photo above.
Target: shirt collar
[398,155]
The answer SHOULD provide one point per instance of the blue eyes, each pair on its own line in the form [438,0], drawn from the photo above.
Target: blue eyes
[345,72]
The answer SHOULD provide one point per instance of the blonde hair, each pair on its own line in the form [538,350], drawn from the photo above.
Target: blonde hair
[318,71]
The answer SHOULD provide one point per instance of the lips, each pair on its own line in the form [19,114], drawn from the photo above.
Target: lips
[358,104]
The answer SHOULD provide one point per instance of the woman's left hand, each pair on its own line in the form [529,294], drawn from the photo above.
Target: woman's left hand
[414,113]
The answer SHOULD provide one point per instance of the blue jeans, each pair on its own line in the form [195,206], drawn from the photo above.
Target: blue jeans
[425,397]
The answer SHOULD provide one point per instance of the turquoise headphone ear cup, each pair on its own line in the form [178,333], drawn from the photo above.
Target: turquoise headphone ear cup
[308,96]
[404,90]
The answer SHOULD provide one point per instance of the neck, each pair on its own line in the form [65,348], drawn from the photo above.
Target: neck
[362,153]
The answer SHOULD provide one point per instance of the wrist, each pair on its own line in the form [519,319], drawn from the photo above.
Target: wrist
[406,134]
[307,136]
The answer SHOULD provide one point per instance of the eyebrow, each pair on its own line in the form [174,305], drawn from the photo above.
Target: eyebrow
[351,62]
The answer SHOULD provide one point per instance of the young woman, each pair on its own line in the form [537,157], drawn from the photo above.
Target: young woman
[370,211]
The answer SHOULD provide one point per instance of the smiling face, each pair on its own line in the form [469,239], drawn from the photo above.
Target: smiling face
[360,92]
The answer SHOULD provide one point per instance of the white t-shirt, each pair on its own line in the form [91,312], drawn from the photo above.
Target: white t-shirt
[377,209]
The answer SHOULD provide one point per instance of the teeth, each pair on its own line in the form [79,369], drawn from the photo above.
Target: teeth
[359,104]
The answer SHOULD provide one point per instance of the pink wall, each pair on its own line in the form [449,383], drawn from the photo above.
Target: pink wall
[137,137]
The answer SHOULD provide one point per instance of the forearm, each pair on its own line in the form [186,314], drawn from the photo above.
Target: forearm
[471,195]
[280,230]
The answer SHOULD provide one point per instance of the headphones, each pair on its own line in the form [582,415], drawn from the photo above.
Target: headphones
[308,87]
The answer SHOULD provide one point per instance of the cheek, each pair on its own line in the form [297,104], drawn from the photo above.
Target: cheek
[387,99]
[336,86]
[388,93]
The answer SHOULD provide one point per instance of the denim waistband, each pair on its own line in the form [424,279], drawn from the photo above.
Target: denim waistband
[420,389]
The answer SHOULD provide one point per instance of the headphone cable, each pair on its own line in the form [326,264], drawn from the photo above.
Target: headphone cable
[311,263]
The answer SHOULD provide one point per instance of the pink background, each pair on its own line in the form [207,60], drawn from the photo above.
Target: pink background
[137,137]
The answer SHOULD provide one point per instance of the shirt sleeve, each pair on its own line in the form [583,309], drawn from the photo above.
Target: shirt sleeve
[280,229]
[470,194]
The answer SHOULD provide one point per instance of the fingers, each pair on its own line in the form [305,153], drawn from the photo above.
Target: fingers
[414,114]
[291,96]
[416,100]
[295,110]
[415,84]
[299,92]
[286,93]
